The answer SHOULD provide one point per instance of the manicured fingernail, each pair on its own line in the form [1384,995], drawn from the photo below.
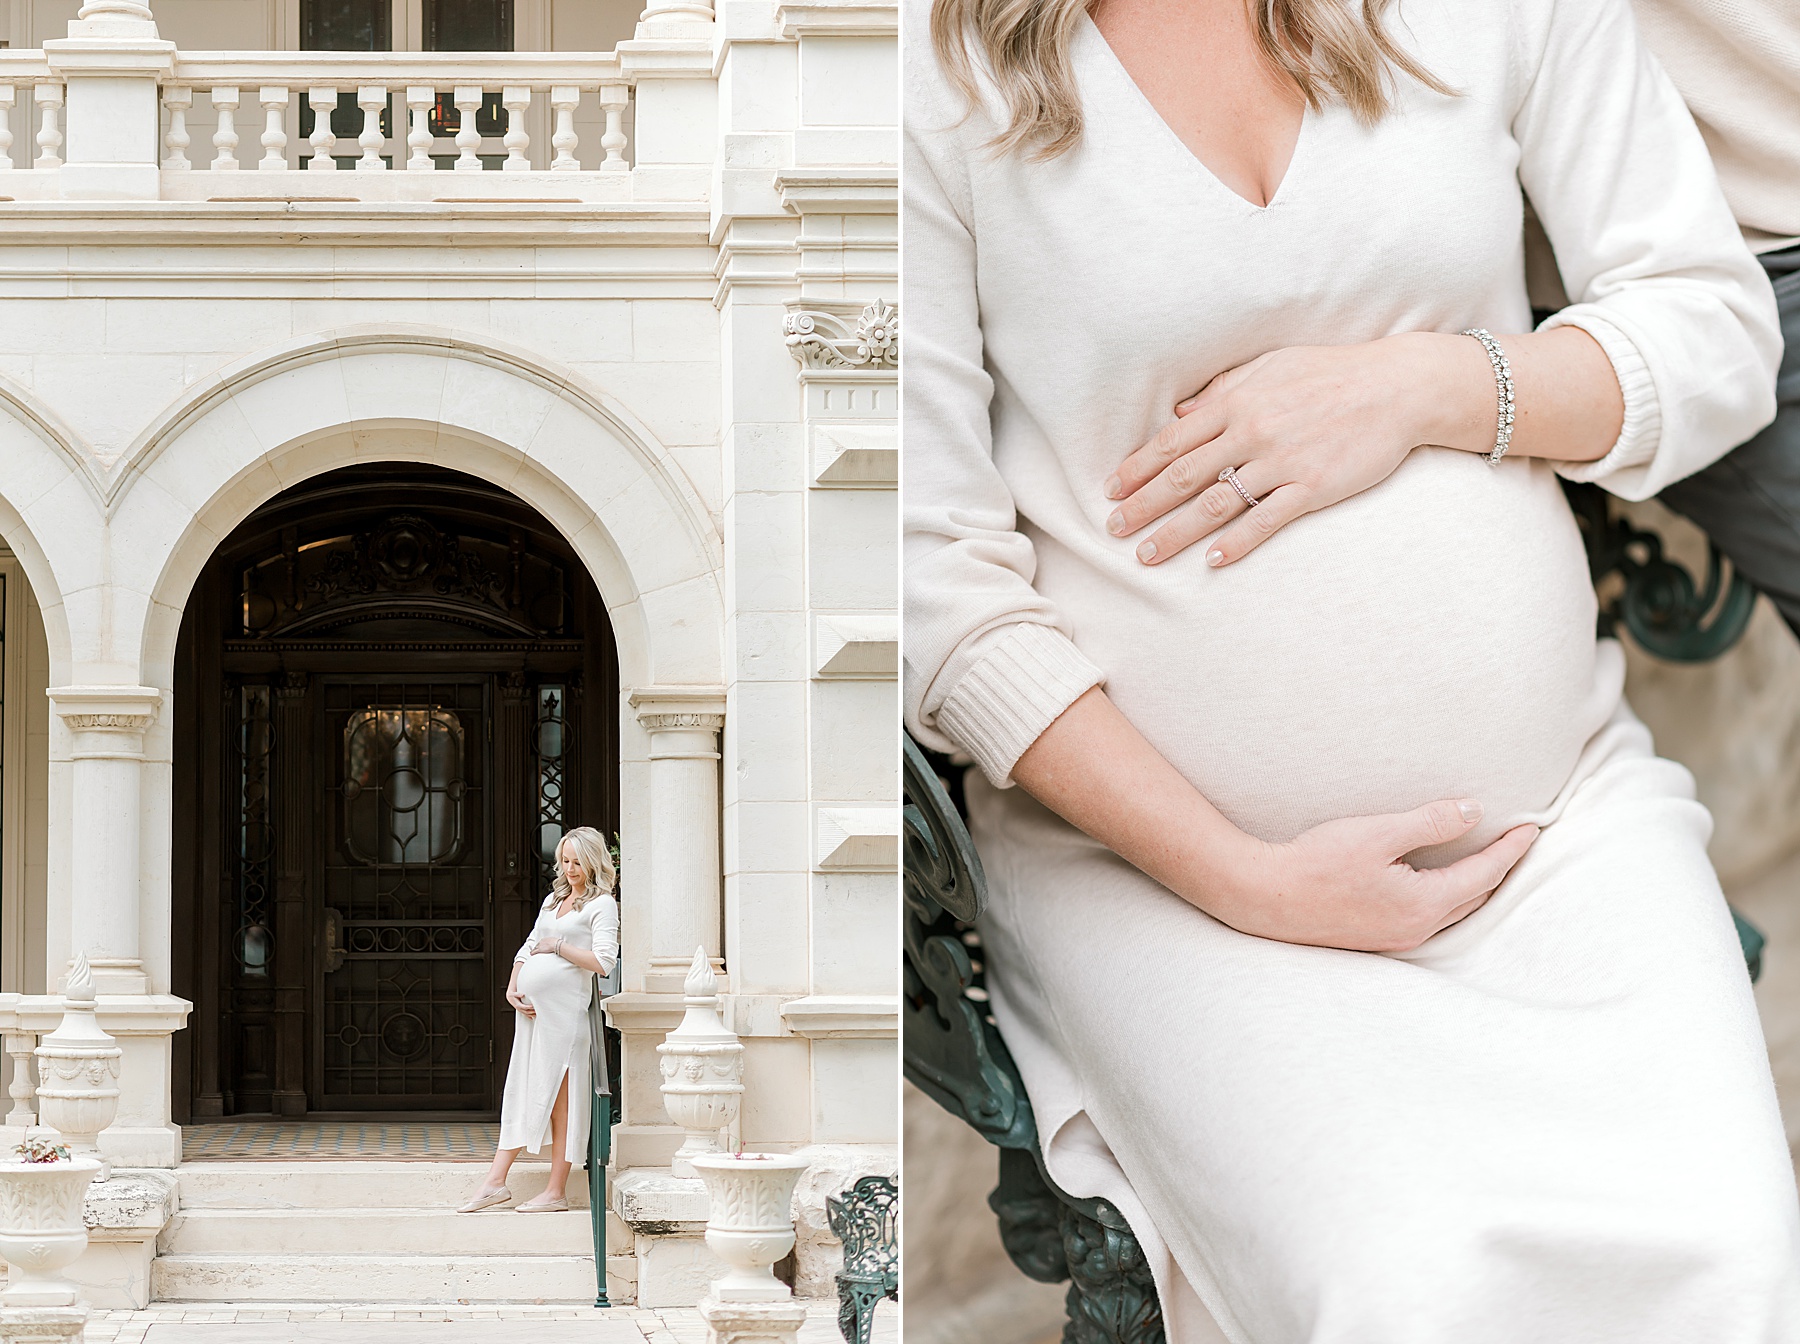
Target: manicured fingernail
[1112,487]
[1215,558]
[1470,809]
[1147,551]
[1116,524]
[1181,407]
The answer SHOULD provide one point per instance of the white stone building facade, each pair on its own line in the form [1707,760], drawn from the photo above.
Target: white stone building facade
[632,277]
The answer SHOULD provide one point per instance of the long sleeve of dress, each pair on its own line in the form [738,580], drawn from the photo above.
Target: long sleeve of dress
[989,662]
[604,928]
[1647,247]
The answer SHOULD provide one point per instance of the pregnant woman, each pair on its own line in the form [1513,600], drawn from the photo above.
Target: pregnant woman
[576,937]
[1348,933]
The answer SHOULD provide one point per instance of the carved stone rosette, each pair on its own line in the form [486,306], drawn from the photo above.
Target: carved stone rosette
[750,1221]
[41,1229]
[702,1069]
[78,1071]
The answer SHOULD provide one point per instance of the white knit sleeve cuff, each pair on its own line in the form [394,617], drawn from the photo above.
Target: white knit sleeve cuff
[1641,433]
[1015,690]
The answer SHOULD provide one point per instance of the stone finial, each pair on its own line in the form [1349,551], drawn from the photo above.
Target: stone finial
[702,1068]
[79,988]
[701,985]
[78,1070]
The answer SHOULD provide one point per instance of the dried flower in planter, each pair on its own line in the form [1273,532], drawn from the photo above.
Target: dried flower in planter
[42,1150]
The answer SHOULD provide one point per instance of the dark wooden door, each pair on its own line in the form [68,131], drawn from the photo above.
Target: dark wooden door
[393,695]
[405,895]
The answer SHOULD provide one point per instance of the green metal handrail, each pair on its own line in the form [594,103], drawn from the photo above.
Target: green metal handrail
[599,1135]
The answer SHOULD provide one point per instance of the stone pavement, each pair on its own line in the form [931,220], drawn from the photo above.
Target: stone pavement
[387,1323]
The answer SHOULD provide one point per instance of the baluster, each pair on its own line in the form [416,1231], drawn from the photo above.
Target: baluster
[372,99]
[613,99]
[516,99]
[225,138]
[564,99]
[419,99]
[178,99]
[323,103]
[20,1044]
[7,94]
[468,103]
[49,137]
[274,137]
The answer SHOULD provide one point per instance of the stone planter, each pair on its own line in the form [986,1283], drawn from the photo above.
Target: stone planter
[750,1223]
[41,1228]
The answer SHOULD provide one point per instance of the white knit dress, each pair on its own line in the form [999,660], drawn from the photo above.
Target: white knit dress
[1553,1123]
[555,1042]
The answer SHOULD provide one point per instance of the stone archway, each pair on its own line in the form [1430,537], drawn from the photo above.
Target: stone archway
[575,456]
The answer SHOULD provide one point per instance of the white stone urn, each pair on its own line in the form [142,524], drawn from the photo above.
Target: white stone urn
[41,1228]
[702,1068]
[78,1071]
[750,1221]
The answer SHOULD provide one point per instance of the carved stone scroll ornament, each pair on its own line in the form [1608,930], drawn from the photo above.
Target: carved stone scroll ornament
[821,339]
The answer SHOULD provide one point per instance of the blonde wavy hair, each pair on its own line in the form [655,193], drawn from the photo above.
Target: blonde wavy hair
[1330,48]
[595,860]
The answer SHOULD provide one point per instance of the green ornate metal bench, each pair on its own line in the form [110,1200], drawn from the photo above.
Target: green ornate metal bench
[866,1219]
[954,1052]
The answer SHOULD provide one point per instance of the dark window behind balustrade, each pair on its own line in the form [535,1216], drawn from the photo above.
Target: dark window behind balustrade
[346,25]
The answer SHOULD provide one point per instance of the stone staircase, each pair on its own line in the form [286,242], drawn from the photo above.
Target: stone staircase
[377,1231]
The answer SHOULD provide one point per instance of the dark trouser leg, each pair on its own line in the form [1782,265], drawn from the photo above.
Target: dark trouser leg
[1748,501]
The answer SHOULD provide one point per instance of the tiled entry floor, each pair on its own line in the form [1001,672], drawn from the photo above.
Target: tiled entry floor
[265,1323]
[238,1141]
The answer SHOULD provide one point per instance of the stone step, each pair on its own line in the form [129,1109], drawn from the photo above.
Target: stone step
[210,1231]
[386,1278]
[311,1184]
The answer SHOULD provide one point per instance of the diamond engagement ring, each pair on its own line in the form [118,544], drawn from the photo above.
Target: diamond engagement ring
[1229,476]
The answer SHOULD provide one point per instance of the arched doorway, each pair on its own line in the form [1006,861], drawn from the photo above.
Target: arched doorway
[395,686]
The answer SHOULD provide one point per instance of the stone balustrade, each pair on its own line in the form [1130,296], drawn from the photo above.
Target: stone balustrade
[256,113]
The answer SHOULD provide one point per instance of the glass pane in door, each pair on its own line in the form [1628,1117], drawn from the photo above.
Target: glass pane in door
[404,921]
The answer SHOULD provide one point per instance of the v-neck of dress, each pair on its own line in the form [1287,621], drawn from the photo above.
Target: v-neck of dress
[1110,59]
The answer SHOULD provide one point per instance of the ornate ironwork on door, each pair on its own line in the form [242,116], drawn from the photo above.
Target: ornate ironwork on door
[405,1004]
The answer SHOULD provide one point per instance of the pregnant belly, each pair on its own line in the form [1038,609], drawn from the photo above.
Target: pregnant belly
[551,979]
[1430,638]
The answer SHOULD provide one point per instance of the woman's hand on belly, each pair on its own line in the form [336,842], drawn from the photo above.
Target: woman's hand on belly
[1342,884]
[1347,883]
[1308,426]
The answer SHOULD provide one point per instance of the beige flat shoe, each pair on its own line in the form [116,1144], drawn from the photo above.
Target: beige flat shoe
[480,1202]
[544,1206]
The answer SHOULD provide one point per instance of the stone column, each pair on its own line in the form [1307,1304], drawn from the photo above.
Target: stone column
[107,725]
[683,905]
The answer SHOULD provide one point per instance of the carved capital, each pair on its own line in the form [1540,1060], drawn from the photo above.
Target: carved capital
[658,723]
[663,709]
[108,720]
[836,336]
